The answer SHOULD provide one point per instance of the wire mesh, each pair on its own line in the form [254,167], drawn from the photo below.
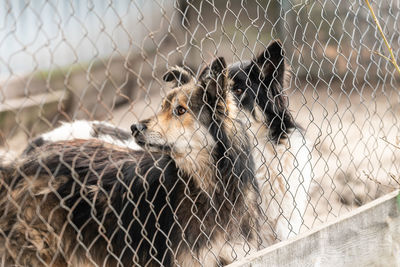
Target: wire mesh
[308,131]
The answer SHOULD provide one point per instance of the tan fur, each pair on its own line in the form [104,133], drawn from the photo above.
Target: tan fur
[33,240]
[182,131]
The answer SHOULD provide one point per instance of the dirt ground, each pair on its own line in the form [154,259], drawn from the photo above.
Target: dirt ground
[355,134]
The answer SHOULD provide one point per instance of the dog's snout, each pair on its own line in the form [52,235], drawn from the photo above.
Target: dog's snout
[138,127]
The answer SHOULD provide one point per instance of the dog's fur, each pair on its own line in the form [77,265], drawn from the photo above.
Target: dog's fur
[191,202]
[84,202]
[82,129]
[281,152]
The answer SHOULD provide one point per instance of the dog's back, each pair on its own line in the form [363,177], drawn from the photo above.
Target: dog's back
[112,199]
[82,129]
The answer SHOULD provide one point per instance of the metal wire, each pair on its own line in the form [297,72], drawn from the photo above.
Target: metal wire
[101,63]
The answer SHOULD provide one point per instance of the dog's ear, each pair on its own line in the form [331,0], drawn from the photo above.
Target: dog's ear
[269,67]
[269,70]
[178,76]
[214,80]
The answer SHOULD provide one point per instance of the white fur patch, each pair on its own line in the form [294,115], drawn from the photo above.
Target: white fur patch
[295,156]
[82,129]
[69,131]
[6,157]
[283,173]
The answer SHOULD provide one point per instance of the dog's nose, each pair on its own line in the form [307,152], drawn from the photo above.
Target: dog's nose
[138,127]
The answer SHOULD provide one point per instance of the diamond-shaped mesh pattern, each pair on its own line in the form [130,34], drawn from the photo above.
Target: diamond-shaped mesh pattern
[224,159]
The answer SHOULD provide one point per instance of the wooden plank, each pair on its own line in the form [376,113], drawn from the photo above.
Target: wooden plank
[29,116]
[367,236]
[18,104]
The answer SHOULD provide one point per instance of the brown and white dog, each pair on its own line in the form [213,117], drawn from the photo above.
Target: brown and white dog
[189,199]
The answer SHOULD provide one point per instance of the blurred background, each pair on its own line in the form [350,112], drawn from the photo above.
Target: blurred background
[103,60]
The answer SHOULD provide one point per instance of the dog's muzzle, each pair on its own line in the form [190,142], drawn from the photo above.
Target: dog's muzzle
[137,128]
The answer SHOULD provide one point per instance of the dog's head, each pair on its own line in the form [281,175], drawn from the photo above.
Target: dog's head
[192,116]
[257,86]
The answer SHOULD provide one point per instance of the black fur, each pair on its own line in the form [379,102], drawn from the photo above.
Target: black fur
[144,206]
[115,132]
[213,81]
[260,82]
[37,142]
[134,202]
[178,77]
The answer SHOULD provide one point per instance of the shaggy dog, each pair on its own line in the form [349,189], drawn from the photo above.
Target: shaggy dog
[281,152]
[189,199]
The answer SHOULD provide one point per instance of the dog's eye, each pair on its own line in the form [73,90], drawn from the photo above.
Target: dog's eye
[238,91]
[180,110]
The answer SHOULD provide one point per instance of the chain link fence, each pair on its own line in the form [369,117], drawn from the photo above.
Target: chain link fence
[316,126]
